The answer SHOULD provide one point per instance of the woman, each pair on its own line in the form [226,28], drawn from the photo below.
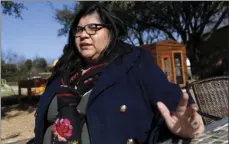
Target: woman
[104,91]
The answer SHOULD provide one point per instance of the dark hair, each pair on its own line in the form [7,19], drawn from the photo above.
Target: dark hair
[71,60]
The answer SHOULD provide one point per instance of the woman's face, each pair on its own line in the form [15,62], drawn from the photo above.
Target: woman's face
[90,46]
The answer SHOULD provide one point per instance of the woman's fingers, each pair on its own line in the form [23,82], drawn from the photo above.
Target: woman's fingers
[190,110]
[194,122]
[165,113]
[192,116]
[182,104]
[200,125]
[188,114]
[194,106]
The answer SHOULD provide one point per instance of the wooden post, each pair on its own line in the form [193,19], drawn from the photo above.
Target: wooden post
[29,91]
[19,90]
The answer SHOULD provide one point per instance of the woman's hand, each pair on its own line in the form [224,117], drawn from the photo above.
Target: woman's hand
[185,122]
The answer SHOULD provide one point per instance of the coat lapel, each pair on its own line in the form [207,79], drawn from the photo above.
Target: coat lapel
[112,74]
[109,77]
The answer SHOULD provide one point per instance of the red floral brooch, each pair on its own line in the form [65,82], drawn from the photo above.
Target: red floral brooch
[62,129]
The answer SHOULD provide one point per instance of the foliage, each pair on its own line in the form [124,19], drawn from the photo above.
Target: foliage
[28,64]
[65,18]
[15,67]
[40,63]
[8,68]
[12,8]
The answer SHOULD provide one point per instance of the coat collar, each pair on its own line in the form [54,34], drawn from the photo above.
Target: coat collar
[113,73]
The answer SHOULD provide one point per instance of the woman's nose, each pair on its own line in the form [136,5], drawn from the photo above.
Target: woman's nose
[84,34]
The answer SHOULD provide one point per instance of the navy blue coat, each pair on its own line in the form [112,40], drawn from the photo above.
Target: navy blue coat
[134,81]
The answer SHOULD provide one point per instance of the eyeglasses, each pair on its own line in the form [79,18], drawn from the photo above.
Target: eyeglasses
[90,29]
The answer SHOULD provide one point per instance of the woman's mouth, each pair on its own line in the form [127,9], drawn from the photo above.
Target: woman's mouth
[84,44]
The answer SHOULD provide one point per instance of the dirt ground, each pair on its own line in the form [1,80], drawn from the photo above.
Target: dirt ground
[17,120]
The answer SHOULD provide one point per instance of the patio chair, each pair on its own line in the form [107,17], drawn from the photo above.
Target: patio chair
[211,97]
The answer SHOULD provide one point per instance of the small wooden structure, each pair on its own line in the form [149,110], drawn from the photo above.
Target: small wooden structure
[171,58]
[38,84]
[29,84]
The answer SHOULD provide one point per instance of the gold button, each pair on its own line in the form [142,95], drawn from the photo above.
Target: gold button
[130,141]
[123,108]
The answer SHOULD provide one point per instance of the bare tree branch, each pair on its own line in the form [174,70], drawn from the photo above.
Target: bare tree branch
[214,29]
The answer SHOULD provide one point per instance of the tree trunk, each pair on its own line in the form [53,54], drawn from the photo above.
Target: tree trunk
[194,56]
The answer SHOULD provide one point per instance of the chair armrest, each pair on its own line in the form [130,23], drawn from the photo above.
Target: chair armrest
[215,118]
